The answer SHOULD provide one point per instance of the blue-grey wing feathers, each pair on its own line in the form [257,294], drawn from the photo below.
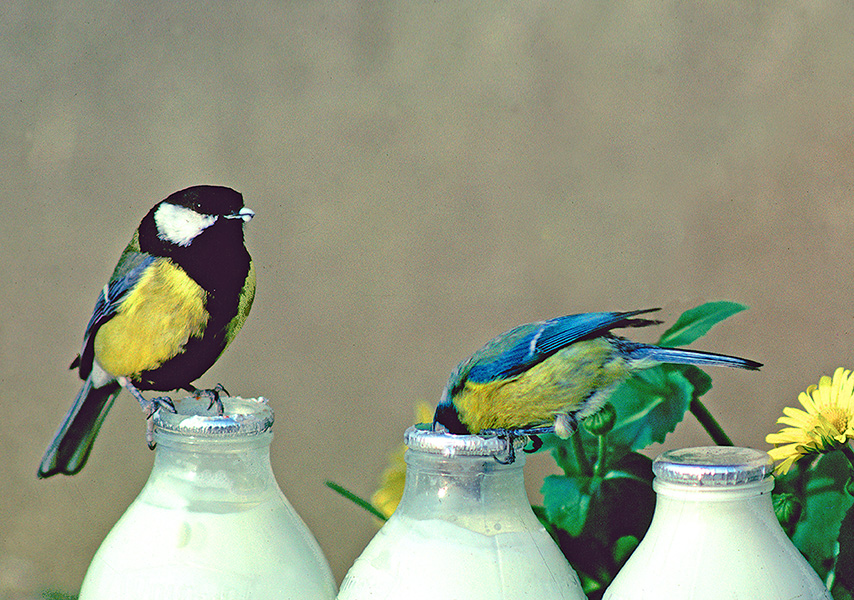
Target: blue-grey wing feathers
[115,291]
[70,447]
[519,349]
[108,303]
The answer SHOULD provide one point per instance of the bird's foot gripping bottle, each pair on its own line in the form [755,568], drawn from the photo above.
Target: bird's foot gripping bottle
[714,534]
[464,529]
[211,522]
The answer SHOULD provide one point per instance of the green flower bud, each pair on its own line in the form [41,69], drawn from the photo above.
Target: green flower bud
[601,422]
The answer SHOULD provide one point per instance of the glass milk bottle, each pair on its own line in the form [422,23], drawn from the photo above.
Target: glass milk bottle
[714,534]
[211,522]
[464,529]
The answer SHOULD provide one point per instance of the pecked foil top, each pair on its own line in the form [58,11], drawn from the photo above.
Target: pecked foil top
[241,417]
[422,438]
[712,466]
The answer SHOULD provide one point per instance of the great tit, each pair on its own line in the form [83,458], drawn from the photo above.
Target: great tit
[549,375]
[180,293]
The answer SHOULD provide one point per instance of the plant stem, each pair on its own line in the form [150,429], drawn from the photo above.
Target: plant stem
[580,455]
[849,454]
[561,455]
[712,427]
[601,455]
[361,502]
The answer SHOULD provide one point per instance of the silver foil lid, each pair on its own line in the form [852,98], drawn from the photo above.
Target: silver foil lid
[423,438]
[713,466]
[195,416]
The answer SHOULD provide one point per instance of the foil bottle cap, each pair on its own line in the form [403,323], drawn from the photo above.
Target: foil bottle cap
[712,466]
[195,417]
[424,439]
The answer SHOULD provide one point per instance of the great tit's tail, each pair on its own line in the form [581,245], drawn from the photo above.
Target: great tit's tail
[72,443]
[644,353]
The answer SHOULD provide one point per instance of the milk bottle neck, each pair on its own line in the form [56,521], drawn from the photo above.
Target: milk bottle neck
[460,479]
[212,461]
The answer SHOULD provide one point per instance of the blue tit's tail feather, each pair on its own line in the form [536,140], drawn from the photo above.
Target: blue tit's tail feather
[70,447]
[643,353]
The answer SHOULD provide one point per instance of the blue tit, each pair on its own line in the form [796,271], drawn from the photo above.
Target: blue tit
[181,291]
[549,375]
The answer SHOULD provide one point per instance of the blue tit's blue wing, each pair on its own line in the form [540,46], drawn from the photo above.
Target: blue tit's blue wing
[126,275]
[519,349]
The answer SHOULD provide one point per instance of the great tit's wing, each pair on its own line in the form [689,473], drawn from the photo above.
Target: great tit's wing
[519,349]
[126,275]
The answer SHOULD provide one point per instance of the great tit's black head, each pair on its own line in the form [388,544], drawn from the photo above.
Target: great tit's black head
[186,214]
[208,200]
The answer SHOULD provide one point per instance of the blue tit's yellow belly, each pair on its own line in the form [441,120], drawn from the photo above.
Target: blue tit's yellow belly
[559,384]
[153,322]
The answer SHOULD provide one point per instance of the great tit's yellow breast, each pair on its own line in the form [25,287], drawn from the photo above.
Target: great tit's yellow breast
[153,322]
[559,384]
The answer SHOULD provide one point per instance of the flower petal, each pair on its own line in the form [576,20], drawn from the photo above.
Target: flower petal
[825,424]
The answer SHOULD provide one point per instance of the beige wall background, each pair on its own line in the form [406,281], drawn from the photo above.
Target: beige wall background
[425,176]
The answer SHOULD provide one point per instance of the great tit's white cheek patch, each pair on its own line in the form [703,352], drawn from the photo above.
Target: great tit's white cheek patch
[179,224]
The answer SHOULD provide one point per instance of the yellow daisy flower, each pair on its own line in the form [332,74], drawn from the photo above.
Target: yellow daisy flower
[387,497]
[826,425]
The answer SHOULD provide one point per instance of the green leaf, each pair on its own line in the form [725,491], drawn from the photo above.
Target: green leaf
[357,500]
[696,322]
[618,510]
[565,451]
[624,547]
[788,508]
[700,380]
[540,512]
[623,504]
[55,595]
[565,502]
[650,405]
[825,505]
[843,587]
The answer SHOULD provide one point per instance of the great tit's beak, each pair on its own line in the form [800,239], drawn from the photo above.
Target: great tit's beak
[244,213]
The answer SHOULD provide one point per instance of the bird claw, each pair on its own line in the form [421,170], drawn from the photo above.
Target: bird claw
[166,403]
[511,435]
[213,396]
[149,434]
[151,407]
